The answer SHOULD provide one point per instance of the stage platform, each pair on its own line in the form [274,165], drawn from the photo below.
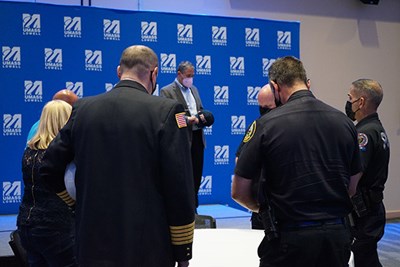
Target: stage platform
[226,217]
[231,238]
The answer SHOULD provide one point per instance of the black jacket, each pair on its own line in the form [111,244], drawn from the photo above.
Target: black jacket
[134,184]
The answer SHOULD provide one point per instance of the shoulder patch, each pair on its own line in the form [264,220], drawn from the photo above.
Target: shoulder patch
[250,133]
[385,140]
[362,141]
[180,120]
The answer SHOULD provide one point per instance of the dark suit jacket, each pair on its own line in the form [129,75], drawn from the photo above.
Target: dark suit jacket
[134,191]
[173,91]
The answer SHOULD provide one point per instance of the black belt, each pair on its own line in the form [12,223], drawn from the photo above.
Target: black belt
[306,224]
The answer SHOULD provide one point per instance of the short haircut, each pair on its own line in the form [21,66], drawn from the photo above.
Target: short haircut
[287,70]
[138,58]
[55,115]
[184,65]
[369,89]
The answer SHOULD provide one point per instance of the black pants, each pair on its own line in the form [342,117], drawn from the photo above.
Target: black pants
[197,161]
[319,246]
[367,232]
[48,247]
[256,221]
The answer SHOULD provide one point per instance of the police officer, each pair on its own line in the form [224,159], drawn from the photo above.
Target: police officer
[309,173]
[365,95]
[266,103]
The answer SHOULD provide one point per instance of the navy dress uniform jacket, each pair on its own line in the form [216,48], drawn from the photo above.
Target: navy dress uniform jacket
[134,185]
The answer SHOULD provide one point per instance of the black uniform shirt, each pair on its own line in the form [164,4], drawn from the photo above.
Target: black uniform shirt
[375,152]
[307,151]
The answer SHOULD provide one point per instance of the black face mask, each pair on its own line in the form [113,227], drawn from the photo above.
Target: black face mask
[278,103]
[349,112]
[263,110]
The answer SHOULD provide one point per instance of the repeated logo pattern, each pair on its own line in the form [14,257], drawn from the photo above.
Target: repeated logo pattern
[47,48]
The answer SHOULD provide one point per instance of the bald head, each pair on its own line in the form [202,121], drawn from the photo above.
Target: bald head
[266,97]
[66,95]
[139,63]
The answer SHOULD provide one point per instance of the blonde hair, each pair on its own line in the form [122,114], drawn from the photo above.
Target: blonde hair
[55,115]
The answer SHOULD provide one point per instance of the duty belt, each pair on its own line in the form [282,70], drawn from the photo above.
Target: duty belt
[306,224]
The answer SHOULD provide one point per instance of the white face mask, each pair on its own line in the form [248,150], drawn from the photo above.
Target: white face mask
[187,82]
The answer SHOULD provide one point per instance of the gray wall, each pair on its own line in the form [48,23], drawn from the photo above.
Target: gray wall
[341,41]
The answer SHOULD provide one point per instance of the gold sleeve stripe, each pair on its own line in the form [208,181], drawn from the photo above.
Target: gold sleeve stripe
[182,235]
[66,198]
[182,240]
[176,243]
[182,227]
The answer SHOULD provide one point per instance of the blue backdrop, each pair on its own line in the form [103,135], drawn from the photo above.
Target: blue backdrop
[46,48]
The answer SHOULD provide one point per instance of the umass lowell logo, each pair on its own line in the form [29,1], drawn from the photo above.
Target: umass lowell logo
[284,40]
[76,87]
[252,94]
[72,27]
[33,91]
[53,59]
[266,64]
[203,65]
[219,36]
[238,125]
[185,34]
[221,95]
[12,192]
[12,124]
[93,60]
[205,185]
[236,66]
[252,37]
[149,31]
[168,63]
[111,29]
[31,24]
[221,155]
[11,57]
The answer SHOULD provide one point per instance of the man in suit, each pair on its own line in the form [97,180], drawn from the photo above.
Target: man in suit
[134,197]
[183,90]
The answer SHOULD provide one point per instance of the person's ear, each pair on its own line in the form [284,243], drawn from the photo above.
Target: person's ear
[119,72]
[362,102]
[155,72]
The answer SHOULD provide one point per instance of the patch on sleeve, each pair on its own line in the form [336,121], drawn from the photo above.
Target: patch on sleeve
[250,133]
[362,141]
[385,140]
[181,120]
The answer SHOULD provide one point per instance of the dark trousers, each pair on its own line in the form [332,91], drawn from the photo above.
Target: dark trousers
[319,246]
[367,232]
[48,247]
[197,161]
[256,221]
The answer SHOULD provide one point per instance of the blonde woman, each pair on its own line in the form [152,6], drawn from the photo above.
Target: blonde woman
[45,222]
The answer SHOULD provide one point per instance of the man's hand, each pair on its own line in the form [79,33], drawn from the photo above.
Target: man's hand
[192,120]
[183,263]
